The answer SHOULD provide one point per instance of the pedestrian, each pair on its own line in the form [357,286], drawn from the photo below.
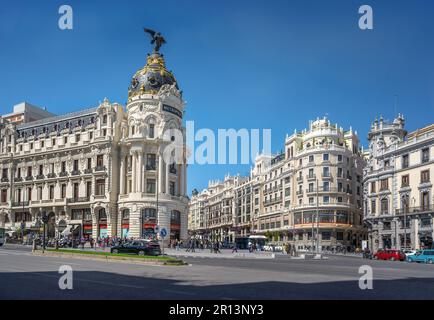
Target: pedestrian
[234,248]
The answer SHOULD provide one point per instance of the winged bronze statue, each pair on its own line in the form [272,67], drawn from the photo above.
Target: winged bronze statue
[157,39]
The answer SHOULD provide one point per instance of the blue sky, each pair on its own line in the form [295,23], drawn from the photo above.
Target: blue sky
[241,63]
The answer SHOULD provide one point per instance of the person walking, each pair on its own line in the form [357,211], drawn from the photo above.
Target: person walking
[234,248]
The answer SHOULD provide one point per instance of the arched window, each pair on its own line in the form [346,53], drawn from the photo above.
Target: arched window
[175,217]
[125,214]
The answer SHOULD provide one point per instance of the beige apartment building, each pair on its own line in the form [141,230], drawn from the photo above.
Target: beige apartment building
[319,174]
[100,172]
[398,186]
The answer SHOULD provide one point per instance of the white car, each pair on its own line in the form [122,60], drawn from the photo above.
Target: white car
[409,253]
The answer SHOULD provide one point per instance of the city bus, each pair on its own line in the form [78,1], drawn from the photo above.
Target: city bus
[2,236]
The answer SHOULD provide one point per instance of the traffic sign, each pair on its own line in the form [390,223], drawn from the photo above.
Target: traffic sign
[163,232]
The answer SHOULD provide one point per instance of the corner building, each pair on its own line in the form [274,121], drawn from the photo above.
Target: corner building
[398,186]
[321,171]
[100,171]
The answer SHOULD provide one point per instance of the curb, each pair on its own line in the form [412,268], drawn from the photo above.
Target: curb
[110,258]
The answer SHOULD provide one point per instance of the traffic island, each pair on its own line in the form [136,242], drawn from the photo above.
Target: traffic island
[107,256]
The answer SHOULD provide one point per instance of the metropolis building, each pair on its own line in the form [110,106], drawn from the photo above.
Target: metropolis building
[100,172]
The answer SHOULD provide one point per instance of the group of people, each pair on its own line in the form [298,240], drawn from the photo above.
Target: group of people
[192,244]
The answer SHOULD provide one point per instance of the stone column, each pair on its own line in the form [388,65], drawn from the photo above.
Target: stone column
[160,174]
[95,225]
[122,175]
[416,234]
[167,179]
[133,173]
[184,180]
[140,173]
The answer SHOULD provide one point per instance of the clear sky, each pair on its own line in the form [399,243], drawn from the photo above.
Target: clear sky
[240,63]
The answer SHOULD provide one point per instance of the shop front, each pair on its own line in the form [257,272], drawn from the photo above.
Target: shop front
[125,223]
[102,223]
[175,225]
[149,223]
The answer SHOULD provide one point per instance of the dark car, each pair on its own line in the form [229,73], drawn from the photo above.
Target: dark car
[142,248]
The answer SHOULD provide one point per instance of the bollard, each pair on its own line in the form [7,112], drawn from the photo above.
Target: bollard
[34,247]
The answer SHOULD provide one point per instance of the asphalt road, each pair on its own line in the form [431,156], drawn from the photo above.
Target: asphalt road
[24,276]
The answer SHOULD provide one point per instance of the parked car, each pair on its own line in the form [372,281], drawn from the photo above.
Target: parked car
[142,248]
[391,255]
[409,253]
[426,256]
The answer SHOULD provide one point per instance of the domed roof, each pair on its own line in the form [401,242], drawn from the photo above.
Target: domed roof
[151,78]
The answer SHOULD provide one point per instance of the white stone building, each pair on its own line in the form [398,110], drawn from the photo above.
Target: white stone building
[398,192]
[320,172]
[101,171]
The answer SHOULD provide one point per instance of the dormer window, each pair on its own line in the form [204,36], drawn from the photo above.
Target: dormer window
[104,119]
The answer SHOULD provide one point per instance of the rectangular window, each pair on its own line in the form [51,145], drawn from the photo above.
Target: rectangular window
[311,158]
[100,187]
[150,186]
[405,181]
[384,184]
[151,161]
[89,163]
[39,193]
[99,160]
[339,158]
[88,189]
[326,235]
[151,130]
[51,193]
[4,197]
[424,176]
[373,206]
[172,188]
[75,166]
[425,155]
[325,157]
[29,194]
[41,170]
[75,192]
[373,189]
[405,162]
[63,191]
[384,206]
[4,173]
[63,167]
[326,172]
